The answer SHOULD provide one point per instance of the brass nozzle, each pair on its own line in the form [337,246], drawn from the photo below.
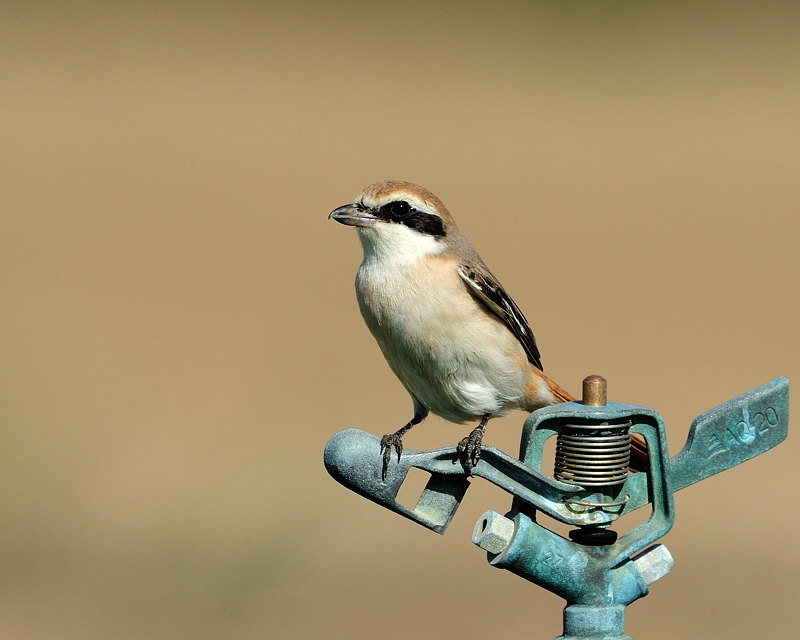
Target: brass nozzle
[595,391]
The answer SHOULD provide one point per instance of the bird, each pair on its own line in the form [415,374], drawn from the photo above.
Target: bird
[450,332]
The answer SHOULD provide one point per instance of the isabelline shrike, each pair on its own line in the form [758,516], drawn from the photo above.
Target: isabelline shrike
[447,328]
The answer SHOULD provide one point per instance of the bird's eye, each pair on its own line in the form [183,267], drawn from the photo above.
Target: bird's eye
[400,208]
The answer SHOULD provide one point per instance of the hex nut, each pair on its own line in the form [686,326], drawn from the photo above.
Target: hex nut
[654,563]
[493,532]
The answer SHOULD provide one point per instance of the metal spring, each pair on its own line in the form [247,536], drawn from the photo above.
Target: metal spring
[593,455]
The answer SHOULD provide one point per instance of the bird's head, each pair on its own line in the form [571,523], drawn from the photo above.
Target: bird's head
[398,217]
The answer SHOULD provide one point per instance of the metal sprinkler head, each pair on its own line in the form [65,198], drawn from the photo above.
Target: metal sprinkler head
[598,571]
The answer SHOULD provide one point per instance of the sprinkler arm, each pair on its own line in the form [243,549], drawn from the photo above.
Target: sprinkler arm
[719,439]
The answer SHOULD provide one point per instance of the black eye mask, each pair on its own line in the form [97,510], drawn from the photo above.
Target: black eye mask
[401,212]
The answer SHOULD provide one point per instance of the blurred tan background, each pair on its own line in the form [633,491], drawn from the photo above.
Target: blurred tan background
[180,336]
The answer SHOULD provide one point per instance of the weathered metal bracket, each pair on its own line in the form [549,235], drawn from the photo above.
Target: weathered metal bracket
[720,439]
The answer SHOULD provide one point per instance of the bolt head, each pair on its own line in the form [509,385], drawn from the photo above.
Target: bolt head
[493,532]
[654,563]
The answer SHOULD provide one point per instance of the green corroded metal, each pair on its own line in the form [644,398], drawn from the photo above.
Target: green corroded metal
[545,423]
[597,580]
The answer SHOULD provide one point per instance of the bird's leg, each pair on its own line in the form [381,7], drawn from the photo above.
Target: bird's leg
[394,440]
[469,449]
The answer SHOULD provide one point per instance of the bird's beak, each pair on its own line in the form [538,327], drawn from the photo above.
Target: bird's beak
[352,216]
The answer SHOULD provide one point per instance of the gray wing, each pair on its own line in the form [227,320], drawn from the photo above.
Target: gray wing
[491,294]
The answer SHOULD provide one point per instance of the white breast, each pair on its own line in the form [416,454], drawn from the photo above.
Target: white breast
[448,351]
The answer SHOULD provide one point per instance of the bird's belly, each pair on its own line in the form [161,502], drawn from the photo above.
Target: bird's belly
[459,386]
[457,360]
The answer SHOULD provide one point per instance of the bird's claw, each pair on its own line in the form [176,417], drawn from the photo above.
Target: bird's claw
[469,450]
[389,442]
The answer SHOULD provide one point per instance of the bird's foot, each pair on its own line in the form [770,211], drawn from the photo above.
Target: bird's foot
[389,442]
[469,449]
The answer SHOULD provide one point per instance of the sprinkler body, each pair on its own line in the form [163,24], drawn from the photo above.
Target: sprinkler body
[598,571]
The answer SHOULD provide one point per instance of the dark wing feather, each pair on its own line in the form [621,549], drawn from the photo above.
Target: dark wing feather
[488,291]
